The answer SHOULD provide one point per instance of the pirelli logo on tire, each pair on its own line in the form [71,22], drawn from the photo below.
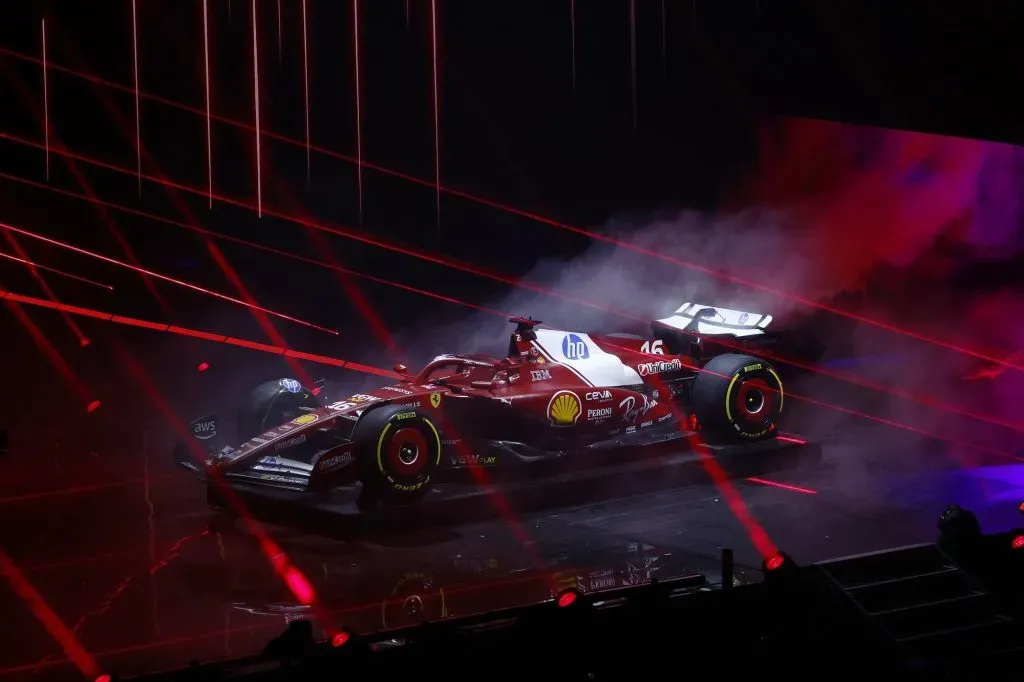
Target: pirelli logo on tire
[737,398]
[407,453]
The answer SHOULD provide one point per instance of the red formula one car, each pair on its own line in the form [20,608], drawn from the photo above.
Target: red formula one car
[555,394]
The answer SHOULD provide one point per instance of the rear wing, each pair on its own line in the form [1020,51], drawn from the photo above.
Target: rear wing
[705,320]
[703,331]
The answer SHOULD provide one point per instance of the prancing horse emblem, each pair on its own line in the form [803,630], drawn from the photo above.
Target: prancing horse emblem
[435,399]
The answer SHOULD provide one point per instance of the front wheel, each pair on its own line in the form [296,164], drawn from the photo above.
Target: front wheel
[737,398]
[399,451]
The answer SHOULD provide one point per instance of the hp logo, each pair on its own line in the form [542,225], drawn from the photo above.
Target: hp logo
[574,348]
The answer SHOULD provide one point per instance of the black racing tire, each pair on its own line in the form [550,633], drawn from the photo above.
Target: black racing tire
[398,452]
[737,399]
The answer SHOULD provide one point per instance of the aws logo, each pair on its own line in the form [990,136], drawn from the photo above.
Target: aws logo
[574,348]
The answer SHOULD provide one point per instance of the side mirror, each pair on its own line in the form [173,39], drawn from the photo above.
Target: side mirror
[403,373]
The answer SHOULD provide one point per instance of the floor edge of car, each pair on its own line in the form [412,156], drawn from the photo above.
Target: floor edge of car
[449,503]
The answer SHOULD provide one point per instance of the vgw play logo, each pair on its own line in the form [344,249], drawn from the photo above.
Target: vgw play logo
[574,348]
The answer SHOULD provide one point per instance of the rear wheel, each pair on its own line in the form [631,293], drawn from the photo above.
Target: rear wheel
[737,398]
[399,451]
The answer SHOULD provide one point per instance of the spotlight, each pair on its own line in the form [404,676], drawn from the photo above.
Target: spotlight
[778,567]
[202,366]
[341,638]
[103,678]
[93,406]
[1017,542]
[347,643]
[292,644]
[567,598]
[958,527]
[1020,507]
[774,562]
[85,342]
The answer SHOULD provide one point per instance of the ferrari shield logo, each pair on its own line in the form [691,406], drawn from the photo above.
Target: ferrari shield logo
[435,399]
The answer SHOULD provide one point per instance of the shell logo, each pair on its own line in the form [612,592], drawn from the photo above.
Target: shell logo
[305,419]
[564,408]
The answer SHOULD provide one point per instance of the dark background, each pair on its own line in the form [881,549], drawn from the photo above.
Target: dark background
[710,80]
[735,109]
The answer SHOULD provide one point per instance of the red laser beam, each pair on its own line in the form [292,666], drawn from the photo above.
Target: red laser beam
[43,343]
[846,377]
[359,108]
[72,167]
[437,117]
[906,427]
[46,106]
[225,268]
[572,42]
[727,489]
[632,59]
[372,318]
[305,93]
[782,486]
[197,334]
[880,324]
[373,606]
[46,288]
[293,579]
[83,489]
[361,237]
[206,87]
[359,367]
[138,114]
[481,272]
[923,400]
[862,415]
[157,275]
[55,271]
[46,616]
[124,584]
[262,247]
[256,108]
[119,555]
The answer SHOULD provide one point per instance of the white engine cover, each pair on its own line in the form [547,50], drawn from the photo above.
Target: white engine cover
[719,321]
[582,355]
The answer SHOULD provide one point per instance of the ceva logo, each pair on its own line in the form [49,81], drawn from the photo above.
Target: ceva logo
[574,348]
